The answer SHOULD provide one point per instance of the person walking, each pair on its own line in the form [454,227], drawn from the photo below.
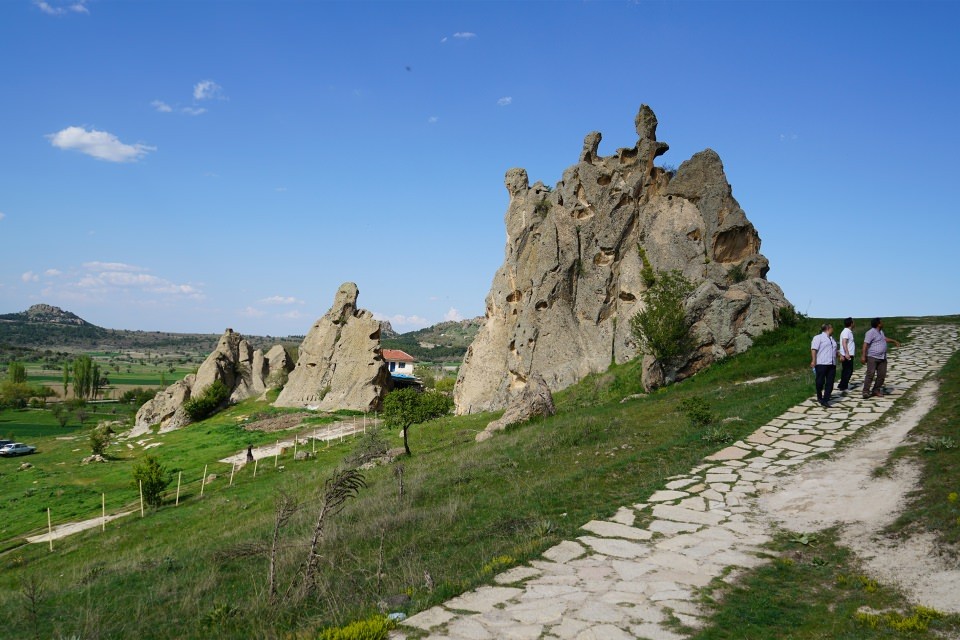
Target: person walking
[875,357]
[249,453]
[823,361]
[848,350]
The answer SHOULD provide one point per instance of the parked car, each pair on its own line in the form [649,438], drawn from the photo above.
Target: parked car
[4,443]
[16,449]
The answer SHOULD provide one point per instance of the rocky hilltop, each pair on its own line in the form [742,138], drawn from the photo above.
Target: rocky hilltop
[340,364]
[572,278]
[46,314]
[246,371]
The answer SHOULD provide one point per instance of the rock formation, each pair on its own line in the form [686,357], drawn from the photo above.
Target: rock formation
[340,365]
[534,400]
[561,303]
[245,371]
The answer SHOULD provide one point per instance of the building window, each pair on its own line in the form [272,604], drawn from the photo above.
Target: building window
[403,364]
[393,365]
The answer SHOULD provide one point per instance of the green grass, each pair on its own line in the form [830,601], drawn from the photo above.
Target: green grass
[935,505]
[806,593]
[466,507]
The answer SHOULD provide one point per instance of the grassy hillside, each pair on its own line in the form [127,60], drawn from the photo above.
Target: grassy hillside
[468,510]
[440,343]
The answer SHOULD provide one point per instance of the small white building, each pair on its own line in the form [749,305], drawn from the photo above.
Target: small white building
[399,362]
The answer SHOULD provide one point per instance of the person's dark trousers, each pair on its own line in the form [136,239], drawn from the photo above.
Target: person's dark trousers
[875,367]
[846,370]
[825,376]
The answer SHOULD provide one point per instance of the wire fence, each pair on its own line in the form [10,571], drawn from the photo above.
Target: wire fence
[184,486]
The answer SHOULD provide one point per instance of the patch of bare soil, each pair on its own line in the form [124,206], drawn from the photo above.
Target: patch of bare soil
[278,422]
[843,491]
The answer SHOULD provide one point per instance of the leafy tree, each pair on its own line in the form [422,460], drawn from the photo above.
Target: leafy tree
[66,378]
[16,373]
[60,414]
[95,380]
[154,477]
[662,328]
[446,385]
[406,407]
[83,377]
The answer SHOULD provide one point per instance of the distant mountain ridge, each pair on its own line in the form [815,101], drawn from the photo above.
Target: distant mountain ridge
[45,326]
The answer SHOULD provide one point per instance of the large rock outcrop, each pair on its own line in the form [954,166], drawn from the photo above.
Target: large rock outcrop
[535,400]
[561,304]
[340,365]
[245,371]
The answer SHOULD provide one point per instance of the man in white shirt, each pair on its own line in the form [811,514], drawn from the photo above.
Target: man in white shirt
[823,361]
[848,350]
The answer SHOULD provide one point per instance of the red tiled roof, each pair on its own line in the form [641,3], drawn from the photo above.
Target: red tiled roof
[396,355]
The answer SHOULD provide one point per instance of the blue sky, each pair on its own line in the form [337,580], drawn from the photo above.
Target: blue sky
[189,166]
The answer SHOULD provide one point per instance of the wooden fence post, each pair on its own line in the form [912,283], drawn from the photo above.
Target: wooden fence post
[203,480]
[49,529]
[276,455]
[255,463]
[141,498]
[179,476]
[233,468]
[103,512]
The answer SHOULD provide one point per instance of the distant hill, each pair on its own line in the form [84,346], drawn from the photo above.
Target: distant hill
[442,342]
[45,327]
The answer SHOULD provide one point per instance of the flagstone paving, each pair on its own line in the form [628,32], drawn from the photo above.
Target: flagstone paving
[624,581]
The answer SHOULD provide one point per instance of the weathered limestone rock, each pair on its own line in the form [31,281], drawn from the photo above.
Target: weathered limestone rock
[340,365]
[534,400]
[561,303]
[245,371]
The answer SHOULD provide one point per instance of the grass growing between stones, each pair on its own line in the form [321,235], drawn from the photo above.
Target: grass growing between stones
[187,571]
[815,591]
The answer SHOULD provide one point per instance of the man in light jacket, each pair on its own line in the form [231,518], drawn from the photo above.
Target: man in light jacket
[823,361]
[875,357]
[848,350]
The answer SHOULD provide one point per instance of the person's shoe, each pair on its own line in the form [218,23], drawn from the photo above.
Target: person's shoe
[841,392]
[878,394]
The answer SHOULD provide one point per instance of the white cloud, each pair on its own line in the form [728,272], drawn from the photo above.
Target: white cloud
[98,144]
[193,111]
[98,280]
[281,300]
[505,101]
[2,215]
[52,272]
[465,35]
[207,90]
[161,106]
[112,266]
[29,276]
[453,315]
[291,315]
[788,137]
[60,9]
[433,119]
[400,320]
[443,39]
[251,312]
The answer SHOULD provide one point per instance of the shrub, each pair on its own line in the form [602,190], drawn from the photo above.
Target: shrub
[717,435]
[154,477]
[698,411]
[542,208]
[208,402]
[446,385]
[99,440]
[736,273]
[662,328]
[789,316]
[374,628]
[646,271]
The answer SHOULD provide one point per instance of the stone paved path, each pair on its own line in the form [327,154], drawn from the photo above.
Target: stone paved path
[624,581]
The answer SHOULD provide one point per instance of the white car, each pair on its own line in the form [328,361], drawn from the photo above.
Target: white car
[16,449]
